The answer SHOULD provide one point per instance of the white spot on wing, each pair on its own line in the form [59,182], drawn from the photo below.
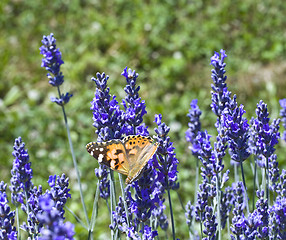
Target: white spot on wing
[100,157]
[101,149]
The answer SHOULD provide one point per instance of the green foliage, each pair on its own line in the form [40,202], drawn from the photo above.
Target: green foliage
[168,43]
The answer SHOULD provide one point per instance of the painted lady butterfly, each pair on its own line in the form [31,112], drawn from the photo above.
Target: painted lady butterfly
[128,156]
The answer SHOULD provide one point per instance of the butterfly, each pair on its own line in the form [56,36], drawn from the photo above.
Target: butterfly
[128,156]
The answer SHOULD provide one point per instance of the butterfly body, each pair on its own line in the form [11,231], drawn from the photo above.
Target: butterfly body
[128,156]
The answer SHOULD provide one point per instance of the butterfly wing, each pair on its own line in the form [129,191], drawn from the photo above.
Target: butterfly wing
[111,153]
[139,150]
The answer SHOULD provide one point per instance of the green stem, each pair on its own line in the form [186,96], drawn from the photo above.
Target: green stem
[196,187]
[94,211]
[74,160]
[245,190]
[18,223]
[171,212]
[181,202]
[77,218]
[124,199]
[112,199]
[254,185]
[218,205]
[267,180]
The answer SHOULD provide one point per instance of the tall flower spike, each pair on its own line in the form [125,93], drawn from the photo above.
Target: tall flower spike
[52,61]
[237,133]
[135,108]
[107,116]
[59,192]
[107,119]
[283,116]
[7,230]
[238,215]
[54,227]
[194,126]
[277,219]
[220,94]
[21,172]
[167,161]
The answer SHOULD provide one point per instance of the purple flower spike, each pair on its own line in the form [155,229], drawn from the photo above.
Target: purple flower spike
[135,108]
[52,60]
[21,172]
[107,116]
[167,161]
[59,192]
[277,219]
[220,94]
[237,133]
[238,220]
[7,230]
[107,119]
[50,217]
[194,126]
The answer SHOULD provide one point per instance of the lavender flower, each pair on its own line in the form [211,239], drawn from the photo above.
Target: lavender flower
[21,172]
[277,219]
[64,99]
[59,192]
[220,94]
[144,201]
[237,132]
[160,216]
[107,116]
[194,126]
[283,116]
[32,208]
[107,119]
[202,201]
[104,187]
[262,210]
[238,216]
[119,215]
[281,186]
[189,214]
[226,205]
[135,108]
[266,135]
[7,230]
[54,227]
[146,233]
[52,61]
[167,161]
[210,224]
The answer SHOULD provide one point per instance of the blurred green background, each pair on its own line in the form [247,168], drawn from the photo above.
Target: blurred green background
[169,43]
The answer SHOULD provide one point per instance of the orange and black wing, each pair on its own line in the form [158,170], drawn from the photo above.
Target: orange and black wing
[139,149]
[112,154]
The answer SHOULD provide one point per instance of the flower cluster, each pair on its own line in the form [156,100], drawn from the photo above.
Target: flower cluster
[220,94]
[50,217]
[21,172]
[237,133]
[52,61]
[135,108]
[267,135]
[194,126]
[59,192]
[7,230]
[167,161]
[107,117]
